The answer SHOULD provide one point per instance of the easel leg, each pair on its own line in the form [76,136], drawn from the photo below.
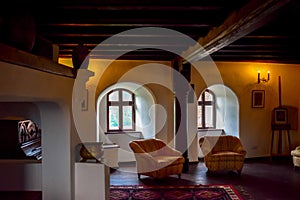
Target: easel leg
[279,150]
[289,140]
[271,150]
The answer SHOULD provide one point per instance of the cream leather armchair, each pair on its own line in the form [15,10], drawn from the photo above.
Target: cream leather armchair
[296,157]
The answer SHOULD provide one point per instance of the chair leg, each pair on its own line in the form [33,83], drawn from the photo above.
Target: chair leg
[139,176]
[179,176]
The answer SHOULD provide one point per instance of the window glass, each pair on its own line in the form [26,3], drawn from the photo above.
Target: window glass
[208,96]
[199,114]
[113,117]
[209,121]
[126,96]
[206,110]
[127,117]
[114,96]
[121,113]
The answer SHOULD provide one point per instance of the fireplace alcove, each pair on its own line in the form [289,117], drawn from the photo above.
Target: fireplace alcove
[31,174]
[20,131]
[50,107]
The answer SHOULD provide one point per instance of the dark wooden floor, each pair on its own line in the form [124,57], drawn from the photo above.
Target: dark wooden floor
[261,179]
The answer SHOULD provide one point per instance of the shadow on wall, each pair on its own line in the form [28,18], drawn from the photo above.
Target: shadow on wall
[227,109]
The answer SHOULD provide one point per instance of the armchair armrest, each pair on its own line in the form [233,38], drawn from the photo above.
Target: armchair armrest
[169,151]
[145,158]
[205,146]
[296,152]
[240,150]
[145,163]
[238,147]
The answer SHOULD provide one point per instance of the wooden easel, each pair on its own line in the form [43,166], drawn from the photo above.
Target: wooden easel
[281,128]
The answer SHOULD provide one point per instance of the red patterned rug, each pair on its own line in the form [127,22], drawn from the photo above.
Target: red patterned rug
[189,192]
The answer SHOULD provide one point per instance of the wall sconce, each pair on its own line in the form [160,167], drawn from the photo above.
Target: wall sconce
[262,79]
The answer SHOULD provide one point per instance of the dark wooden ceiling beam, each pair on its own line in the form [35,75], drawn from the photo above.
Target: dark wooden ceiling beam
[109,35]
[248,51]
[249,31]
[76,24]
[81,18]
[143,8]
[258,59]
[94,21]
[145,4]
[250,17]
[131,56]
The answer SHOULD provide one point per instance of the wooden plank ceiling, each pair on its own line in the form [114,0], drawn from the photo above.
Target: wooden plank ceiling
[229,30]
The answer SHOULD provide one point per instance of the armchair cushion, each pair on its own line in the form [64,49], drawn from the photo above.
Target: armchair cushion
[156,159]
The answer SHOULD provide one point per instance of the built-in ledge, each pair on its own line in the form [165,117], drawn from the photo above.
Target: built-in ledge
[18,161]
[22,58]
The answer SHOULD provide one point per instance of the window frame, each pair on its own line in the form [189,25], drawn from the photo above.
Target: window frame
[120,103]
[203,105]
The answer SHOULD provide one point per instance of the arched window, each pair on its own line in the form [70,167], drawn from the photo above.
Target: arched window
[206,110]
[120,110]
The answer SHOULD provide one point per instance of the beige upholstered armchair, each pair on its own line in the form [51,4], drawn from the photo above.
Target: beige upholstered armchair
[296,157]
[156,159]
[223,152]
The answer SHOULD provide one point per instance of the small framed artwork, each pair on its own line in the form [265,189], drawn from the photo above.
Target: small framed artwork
[280,116]
[258,98]
[84,101]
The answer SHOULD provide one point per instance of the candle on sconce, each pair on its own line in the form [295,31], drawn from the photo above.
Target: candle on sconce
[268,75]
[258,76]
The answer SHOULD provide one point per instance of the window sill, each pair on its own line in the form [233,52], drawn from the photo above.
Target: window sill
[122,132]
[126,134]
[210,129]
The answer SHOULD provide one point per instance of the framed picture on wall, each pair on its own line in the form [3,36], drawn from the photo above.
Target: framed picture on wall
[280,116]
[258,98]
[84,101]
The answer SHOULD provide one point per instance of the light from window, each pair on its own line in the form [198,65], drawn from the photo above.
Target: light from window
[127,117]
[126,96]
[206,110]
[199,118]
[209,116]
[114,96]
[113,117]
[121,113]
